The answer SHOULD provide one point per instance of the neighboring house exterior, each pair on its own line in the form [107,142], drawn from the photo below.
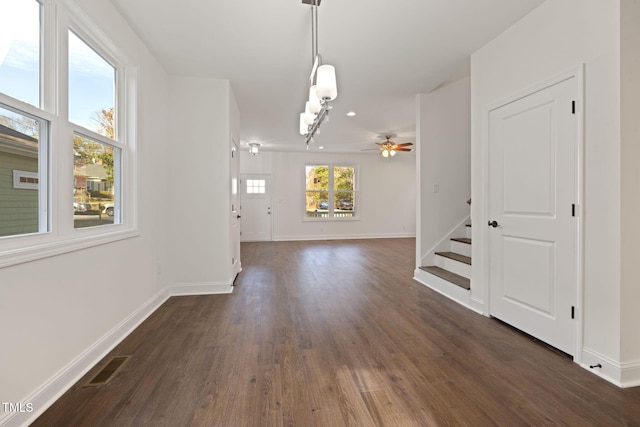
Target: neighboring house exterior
[90,177]
[18,182]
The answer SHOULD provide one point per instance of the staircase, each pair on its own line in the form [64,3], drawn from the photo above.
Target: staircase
[454,265]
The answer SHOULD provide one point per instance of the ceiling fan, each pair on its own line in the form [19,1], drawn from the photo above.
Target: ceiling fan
[389,148]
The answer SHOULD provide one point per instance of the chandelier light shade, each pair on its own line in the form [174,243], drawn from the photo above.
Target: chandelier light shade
[322,84]
[304,127]
[254,148]
[314,102]
[326,83]
[309,117]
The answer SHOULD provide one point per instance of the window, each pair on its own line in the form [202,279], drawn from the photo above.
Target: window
[330,191]
[91,88]
[96,159]
[95,175]
[93,142]
[20,50]
[23,154]
[256,186]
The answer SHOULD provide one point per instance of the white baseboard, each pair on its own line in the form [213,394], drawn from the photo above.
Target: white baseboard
[45,395]
[342,237]
[623,375]
[205,288]
[448,289]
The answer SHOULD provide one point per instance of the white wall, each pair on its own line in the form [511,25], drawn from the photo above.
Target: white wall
[444,129]
[386,198]
[202,112]
[59,314]
[558,36]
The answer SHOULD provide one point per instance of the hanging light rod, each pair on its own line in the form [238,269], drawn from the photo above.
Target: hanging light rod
[322,84]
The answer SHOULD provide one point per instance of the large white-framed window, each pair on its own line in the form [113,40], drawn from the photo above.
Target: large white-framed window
[331,192]
[67,132]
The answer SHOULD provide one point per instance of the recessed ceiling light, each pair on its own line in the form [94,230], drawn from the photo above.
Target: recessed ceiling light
[321,148]
[351,113]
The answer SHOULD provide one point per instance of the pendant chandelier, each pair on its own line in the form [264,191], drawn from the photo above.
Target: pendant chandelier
[322,84]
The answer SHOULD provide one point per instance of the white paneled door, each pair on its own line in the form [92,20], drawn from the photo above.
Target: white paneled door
[256,208]
[533,151]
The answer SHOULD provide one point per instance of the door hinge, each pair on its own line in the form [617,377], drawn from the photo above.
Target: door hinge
[573,312]
[573,107]
[573,209]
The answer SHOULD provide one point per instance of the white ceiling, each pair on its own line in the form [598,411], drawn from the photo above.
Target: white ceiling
[385,52]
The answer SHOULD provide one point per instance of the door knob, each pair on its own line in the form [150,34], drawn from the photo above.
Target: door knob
[493,223]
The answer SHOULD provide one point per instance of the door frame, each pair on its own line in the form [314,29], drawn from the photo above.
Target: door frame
[578,74]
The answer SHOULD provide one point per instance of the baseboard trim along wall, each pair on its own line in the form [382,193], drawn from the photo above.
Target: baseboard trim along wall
[449,290]
[342,237]
[205,288]
[623,375]
[50,391]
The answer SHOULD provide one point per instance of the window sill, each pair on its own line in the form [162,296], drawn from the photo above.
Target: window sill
[331,219]
[61,246]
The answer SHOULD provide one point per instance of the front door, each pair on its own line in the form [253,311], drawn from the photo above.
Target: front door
[256,208]
[533,147]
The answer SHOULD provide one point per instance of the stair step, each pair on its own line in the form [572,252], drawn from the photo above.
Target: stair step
[462,240]
[454,256]
[456,279]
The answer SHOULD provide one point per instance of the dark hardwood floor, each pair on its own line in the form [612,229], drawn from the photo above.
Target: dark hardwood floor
[332,334]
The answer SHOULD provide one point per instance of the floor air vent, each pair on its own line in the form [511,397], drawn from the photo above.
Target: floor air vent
[108,372]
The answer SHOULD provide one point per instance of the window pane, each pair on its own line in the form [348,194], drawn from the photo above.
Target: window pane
[20,50]
[256,186]
[345,204]
[91,89]
[317,204]
[95,173]
[20,180]
[343,178]
[317,178]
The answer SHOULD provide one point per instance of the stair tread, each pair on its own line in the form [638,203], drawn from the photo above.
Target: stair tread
[462,240]
[456,279]
[456,257]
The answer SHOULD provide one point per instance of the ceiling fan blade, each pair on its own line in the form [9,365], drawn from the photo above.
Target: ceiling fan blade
[404,144]
[381,143]
[403,149]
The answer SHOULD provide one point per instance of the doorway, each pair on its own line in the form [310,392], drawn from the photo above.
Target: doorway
[256,208]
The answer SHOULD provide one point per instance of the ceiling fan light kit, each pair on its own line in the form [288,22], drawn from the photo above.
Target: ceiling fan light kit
[322,85]
[389,148]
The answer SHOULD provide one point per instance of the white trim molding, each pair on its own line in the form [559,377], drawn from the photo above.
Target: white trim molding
[203,288]
[445,288]
[342,237]
[624,375]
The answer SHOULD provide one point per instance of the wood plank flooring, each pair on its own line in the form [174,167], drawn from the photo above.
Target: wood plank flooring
[336,333]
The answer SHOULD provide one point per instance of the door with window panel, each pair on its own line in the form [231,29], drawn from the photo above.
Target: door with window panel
[256,222]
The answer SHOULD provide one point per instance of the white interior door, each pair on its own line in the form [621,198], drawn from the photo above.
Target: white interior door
[235,208]
[532,231]
[256,208]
